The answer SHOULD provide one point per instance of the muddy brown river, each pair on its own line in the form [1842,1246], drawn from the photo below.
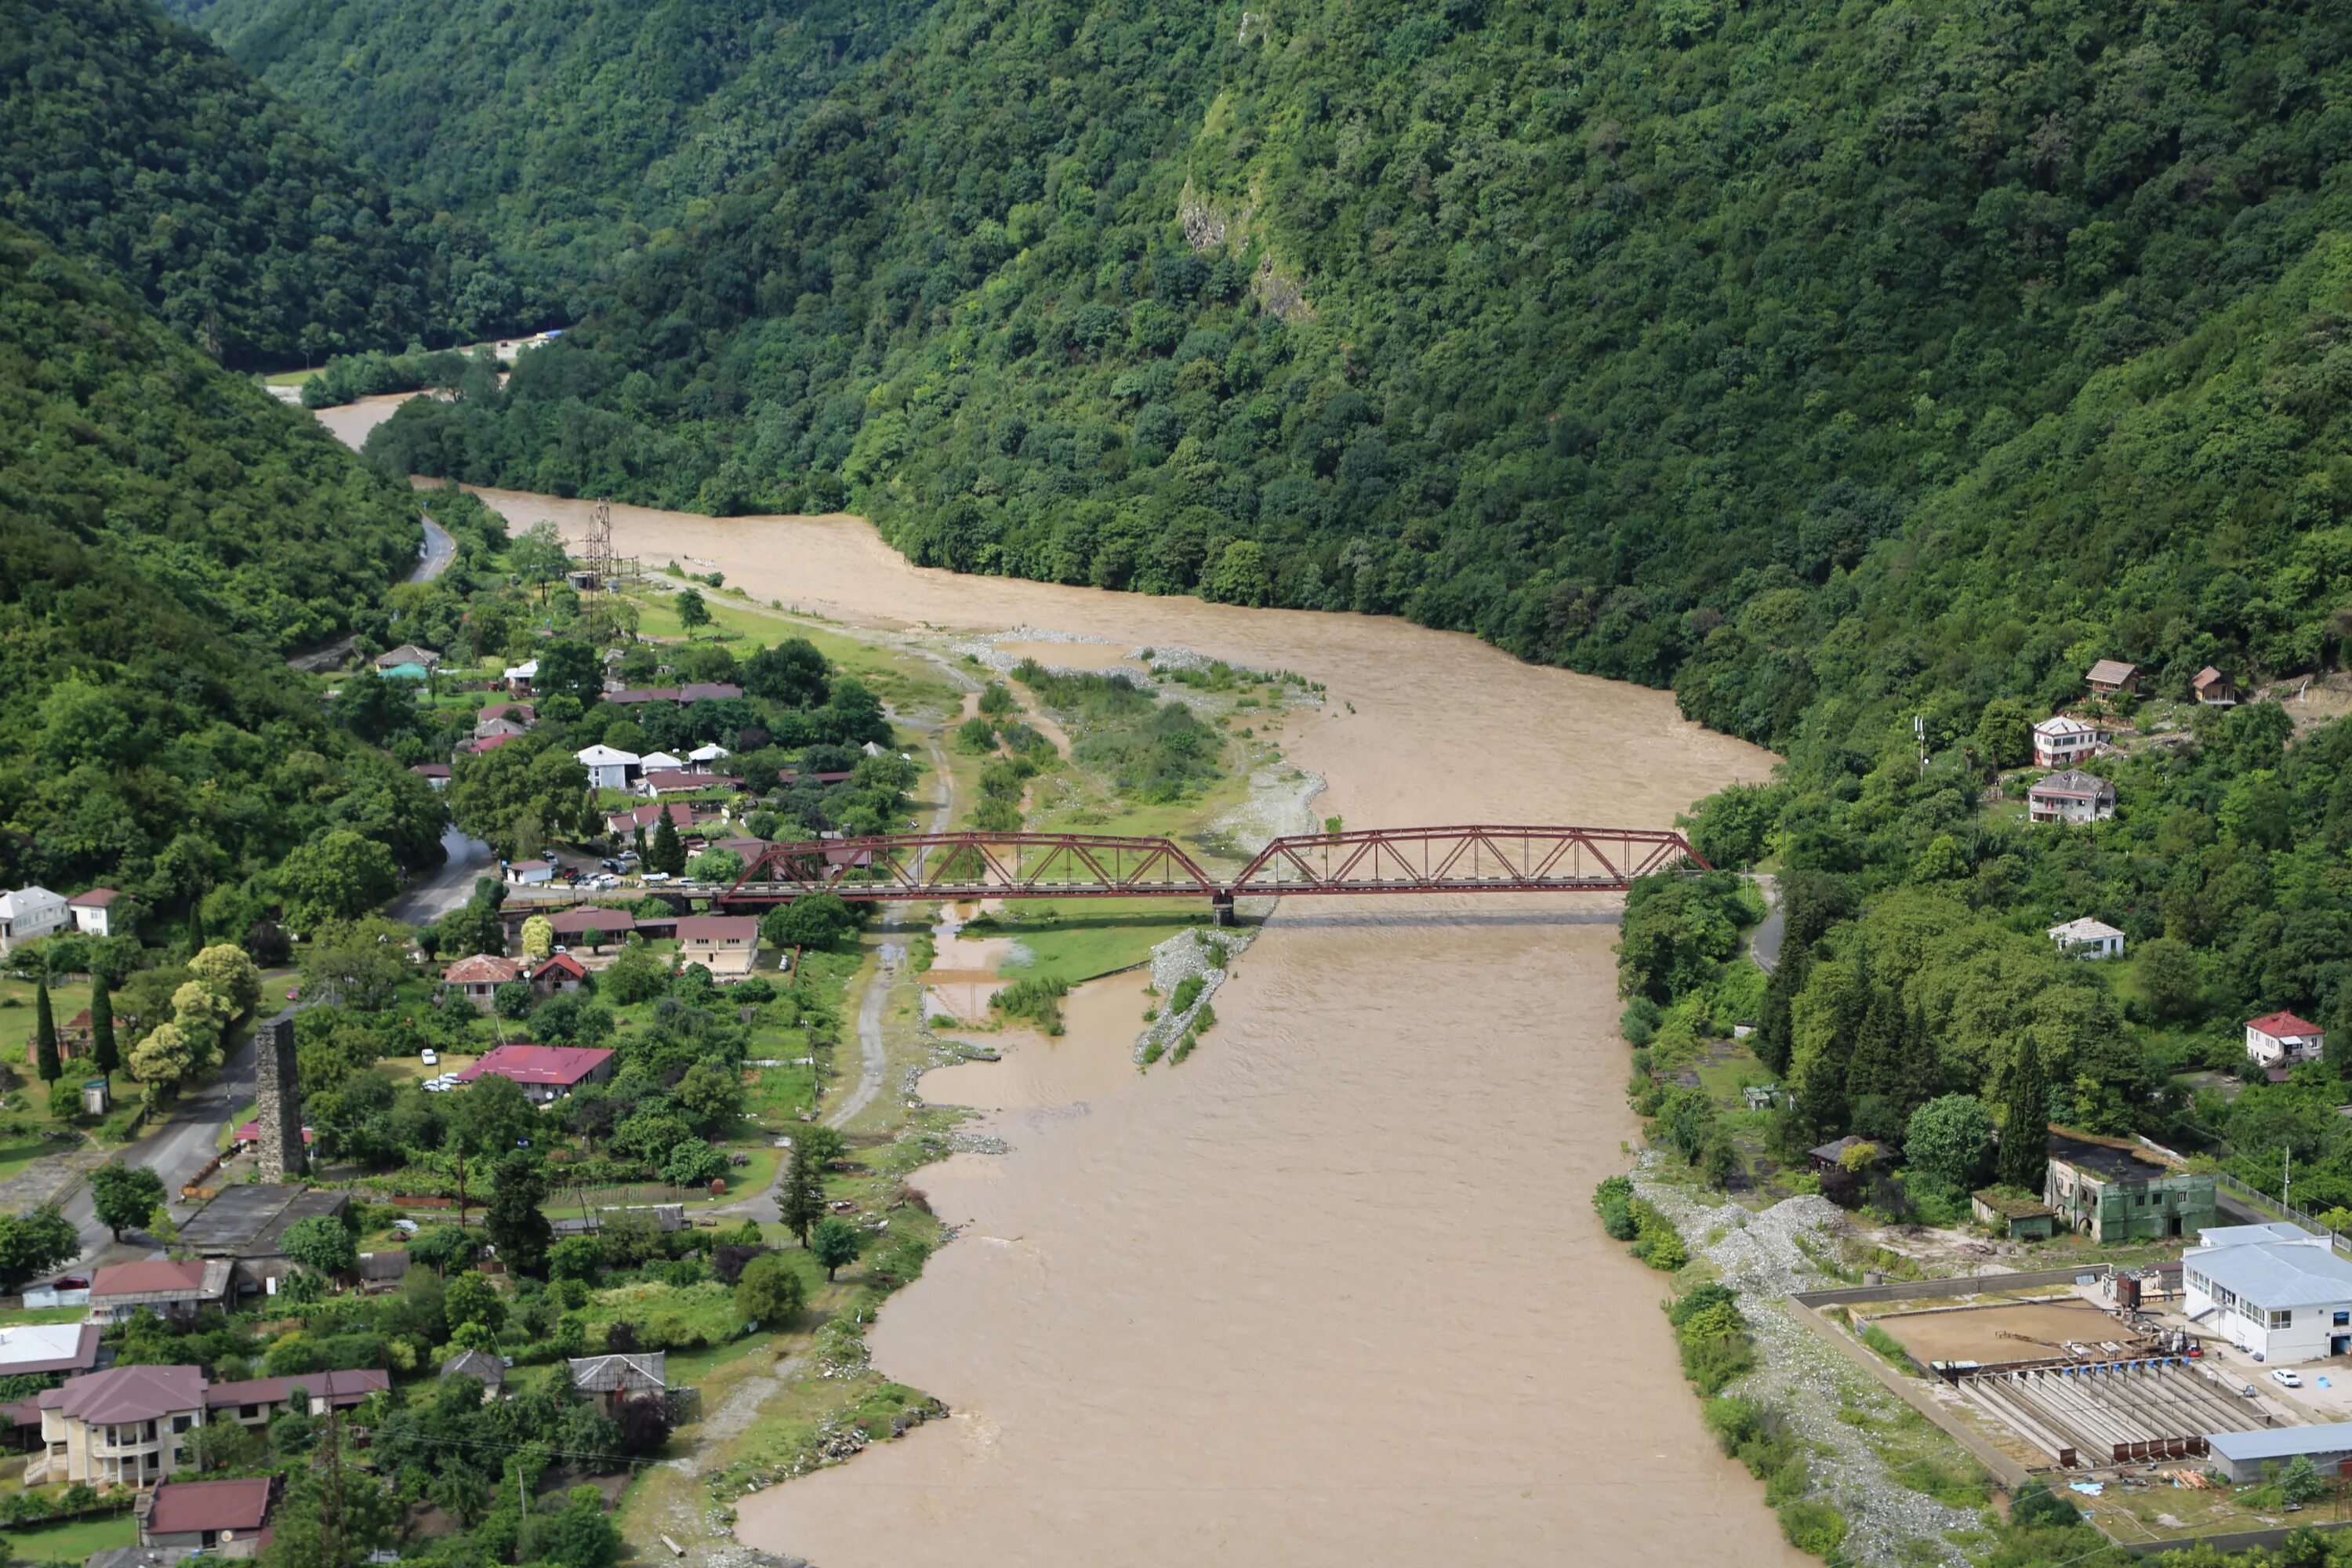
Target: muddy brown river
[1330,1293]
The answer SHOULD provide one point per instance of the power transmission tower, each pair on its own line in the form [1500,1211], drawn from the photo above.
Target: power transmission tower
[603,569]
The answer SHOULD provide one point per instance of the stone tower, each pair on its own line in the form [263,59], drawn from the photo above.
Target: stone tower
[279,1100]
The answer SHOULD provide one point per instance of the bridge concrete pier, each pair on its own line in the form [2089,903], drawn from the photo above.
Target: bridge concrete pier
[1221,907]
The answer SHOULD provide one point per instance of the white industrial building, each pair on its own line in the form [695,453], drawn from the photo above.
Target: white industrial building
[2276,1291]
[608,767]
[29,914]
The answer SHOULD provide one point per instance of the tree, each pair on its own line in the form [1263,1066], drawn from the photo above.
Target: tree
[222,1445]
[163,1060]
[470,1299]
[357,963]
[574,1257]
[567,668]
[693,1164]
[802,1203]
[835,1243]
[2024,1157]
[692,613]
[125,1196]
[769,1292]
[1675,930]
[538,936]
[339,875]
[1951,1142]
[715,865]
[2004,737]
[516,1227]
[2300,1482]
[813,920]
[582,1534]
[668,853]
[45,1034]
[490,1116]
[322,1243]
[637,975]
[513,1000]
[793,674]
[103,1054]
[33,1243]
[228,973]
[537,554]
[711,1096]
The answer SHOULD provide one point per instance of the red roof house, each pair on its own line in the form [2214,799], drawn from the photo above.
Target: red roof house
[96,912]
[545,1072]
[677,782]
[2281,1039]
[557,972]
[479,977]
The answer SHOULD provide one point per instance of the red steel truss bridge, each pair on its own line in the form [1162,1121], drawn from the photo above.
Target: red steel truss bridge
[963,866]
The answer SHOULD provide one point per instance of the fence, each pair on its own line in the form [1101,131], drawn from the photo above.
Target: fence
[1957,1285]
[2262,1202]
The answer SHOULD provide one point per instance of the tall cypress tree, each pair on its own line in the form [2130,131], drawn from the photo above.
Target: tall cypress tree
[1875,1070]
[801,1203]
[195,931]
[2024,1132]
[102,1054]
[45,1034]
[669,849]
[1773,1040]
[1923,1072]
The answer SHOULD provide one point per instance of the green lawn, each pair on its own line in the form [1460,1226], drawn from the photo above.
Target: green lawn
[289,377]
[1078,942]
[73,1542]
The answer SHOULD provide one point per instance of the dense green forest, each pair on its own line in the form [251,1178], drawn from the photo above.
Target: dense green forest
[167,529]
[1761,351]
[134,143]
[574,132]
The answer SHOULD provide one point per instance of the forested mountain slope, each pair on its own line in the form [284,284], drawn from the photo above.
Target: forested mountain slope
[133,142]
[1934,343]
[166,529]
[572,129]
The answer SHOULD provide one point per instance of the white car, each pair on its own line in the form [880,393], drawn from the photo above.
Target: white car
[652,877]
[430,1057]
[405,1227]
[2287,1379]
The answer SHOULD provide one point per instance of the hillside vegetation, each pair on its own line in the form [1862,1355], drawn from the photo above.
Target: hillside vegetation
[133,143]
[1903,351]
[572,131]
[165,528]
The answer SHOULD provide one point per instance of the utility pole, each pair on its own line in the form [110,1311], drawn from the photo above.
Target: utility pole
[333,1549]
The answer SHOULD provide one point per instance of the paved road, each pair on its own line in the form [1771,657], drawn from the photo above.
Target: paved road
[1764,943]
[176,1150]
[448,888]
[439,549]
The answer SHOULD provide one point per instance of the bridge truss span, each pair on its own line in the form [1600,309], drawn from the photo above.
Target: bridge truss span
[1481,858]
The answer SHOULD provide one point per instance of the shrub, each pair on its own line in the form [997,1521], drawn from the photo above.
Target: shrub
[1656,1242]
[1613,1199]
[1814,1527]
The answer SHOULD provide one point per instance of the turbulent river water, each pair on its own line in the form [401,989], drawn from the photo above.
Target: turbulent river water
[1331,1291]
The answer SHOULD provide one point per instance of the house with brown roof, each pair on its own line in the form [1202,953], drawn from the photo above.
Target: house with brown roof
[120,1427]
[675,781]
[178,1289]
[2213,689]
[556,973]
[573,926]
[545,1073]
[2073,796]
[478,979]
[100,911]
[497,729]
[522,713]
[227,1519]
[727,945]
[2113,675]
[626,822]
[260,1401]
[74,1038]
[39,1349]
[434,774]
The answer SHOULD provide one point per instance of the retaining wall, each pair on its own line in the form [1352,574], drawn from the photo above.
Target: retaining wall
[1912,1392]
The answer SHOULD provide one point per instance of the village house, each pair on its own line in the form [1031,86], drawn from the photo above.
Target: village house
[498,729]
[480,743]
[545,1073]
[408,653]
[119,1427]
[484,1368]
[2087,938]
[556,973]
[699,691]
[247,1138]
[2115,1190]
[1831,1156]
[727,945]
[574,927]
[609,767]
[478,979]
[530,873]
[2276,1291]
[788,778]
[2281,1039]
[245,1224]
[29,914]
[522,713]
[100,911]
[2112,675]
[613,1378]
[517,678]
[2062,742]
[626,822]
[226,1519]
[2019,1219]
[2213,689]
[2071,797]
[175,1289]
[703,756]
[434,774]
[661,763]
[75,1036]
[262,1400]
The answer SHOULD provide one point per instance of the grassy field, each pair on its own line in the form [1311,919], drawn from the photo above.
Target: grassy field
[289,377]
[911,686]
[73,1542]
[1097,936]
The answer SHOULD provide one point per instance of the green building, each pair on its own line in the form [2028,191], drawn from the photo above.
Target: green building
[2020,1219]
[2113,1189]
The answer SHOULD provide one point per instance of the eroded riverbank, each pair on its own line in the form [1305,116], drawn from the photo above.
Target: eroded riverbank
[1331,1289]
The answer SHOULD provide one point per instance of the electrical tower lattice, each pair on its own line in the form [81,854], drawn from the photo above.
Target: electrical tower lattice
[602,570]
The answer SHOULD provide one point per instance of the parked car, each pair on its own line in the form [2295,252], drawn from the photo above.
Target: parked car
[405,1227]
[2287,1379]
[430,1057]
[651,878]
[293,993]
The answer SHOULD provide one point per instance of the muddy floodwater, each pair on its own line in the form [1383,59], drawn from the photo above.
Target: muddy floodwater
[1331,1291]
